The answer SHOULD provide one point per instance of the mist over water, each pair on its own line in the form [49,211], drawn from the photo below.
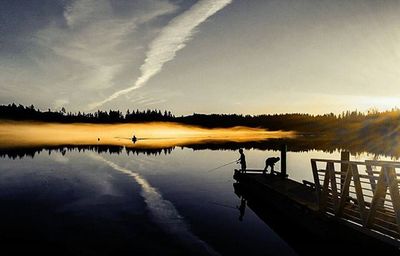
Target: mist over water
[25,134]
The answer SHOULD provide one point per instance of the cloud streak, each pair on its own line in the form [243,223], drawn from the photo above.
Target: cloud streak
[171,39]
[94,46]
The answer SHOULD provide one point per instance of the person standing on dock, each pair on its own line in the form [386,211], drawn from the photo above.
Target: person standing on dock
[242,161]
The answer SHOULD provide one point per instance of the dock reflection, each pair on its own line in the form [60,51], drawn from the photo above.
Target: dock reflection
[242,208]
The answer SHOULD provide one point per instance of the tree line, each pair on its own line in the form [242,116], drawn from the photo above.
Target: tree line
[349,123]
[20,112]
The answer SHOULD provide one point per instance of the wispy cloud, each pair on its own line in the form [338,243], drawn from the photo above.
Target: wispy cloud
[170,40]
[97,45]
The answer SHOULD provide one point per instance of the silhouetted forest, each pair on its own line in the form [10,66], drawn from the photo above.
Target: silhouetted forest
[20,112]
[353,123]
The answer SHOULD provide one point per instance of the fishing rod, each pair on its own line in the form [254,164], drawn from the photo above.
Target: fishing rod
[221,166]
[223,205]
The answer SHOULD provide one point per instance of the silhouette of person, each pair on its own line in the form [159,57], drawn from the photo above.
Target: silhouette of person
[242,161]
[241,208]
[270,162]
[134,139]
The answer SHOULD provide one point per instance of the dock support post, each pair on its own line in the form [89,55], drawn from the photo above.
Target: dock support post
[283,161]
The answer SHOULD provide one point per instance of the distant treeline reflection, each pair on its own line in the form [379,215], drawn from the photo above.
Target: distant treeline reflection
[14,153]
[377,147]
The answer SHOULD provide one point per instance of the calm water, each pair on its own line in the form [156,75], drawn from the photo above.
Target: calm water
[85,202]
[101,194]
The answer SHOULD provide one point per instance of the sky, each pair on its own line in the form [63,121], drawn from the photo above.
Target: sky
[205,56]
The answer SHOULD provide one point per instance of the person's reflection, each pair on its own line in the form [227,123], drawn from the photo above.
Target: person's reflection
[241,208]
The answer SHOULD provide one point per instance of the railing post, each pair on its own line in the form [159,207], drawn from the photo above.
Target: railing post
[345,190]
[316,181]
[331,169]
[368,169]
[325,188]
[394,194]
[283,161]
[344,156]
[379,194]
[359,194]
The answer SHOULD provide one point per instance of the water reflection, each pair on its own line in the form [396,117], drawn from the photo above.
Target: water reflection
[163,212]
[148,204]
[14,153]
[167,176]
[166,146]
[242,208]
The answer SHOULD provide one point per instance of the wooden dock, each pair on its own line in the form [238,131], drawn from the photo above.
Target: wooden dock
[356,203]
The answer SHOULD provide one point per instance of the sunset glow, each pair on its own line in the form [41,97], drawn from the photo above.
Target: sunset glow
[150,135]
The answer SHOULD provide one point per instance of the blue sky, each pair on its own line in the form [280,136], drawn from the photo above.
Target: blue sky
[206,56]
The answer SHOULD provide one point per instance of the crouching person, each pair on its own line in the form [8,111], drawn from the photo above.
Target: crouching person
[270,162]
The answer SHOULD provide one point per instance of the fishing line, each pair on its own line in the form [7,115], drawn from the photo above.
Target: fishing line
[221,166]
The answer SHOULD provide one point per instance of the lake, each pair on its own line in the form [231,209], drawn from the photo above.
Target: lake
[162,195]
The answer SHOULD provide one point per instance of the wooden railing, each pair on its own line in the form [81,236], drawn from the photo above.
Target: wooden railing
[363,193]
